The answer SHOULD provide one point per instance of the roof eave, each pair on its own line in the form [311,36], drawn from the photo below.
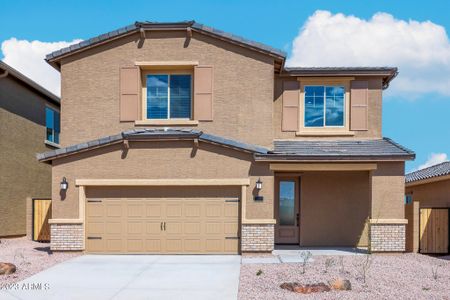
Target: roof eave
[427,180]
[31,83]
[301,158]
[54,58]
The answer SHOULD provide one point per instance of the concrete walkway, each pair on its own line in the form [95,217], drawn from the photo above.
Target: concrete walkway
[135,277]
[293,254]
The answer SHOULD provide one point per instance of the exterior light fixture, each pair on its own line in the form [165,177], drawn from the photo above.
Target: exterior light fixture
[258,188]
[259,184]
[64,184]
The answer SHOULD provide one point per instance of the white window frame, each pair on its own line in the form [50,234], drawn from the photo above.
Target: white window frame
[324,106]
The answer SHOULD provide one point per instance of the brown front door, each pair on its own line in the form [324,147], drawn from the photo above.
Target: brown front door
[287,210]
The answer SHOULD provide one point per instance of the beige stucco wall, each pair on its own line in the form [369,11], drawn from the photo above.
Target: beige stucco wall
[22,135]
[243,86]
[374,113]
[429,195]
[161,160]
[388,186]
[334,207]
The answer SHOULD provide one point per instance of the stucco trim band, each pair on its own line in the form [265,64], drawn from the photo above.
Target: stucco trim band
[322,167]
[162,182]
[388,221]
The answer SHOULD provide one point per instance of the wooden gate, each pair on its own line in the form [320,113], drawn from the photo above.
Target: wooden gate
[434,230]
[42,212]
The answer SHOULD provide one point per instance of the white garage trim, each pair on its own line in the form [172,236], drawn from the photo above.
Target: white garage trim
[162,182]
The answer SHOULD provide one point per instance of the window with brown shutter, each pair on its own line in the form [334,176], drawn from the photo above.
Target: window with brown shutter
[359,105]
[291,98]
[129,93]
[203,93]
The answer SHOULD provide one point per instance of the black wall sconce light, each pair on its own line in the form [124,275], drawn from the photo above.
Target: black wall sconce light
[258,188]
[64,184]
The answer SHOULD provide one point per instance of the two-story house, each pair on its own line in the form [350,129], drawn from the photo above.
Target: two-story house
[29,123]
[180,138]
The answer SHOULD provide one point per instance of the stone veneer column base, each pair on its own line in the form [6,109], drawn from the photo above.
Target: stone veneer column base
[66,237]
[257,237]
[387,237]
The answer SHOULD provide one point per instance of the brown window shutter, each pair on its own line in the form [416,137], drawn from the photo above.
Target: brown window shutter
[203,93]
[359,105]
[129,93]
[291,99]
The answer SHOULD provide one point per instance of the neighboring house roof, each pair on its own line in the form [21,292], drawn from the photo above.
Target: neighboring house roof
[388,73]
[149,134]
[340,150]
[27,81]
[142,26]
[433,172]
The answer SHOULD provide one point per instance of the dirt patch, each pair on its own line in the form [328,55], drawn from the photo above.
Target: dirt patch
[400,276]
[29,257]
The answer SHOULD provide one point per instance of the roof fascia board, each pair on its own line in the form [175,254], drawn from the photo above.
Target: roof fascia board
[427,180]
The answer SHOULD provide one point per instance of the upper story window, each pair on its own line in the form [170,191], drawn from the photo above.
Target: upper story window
[169,96]
[52,124]
[324,106]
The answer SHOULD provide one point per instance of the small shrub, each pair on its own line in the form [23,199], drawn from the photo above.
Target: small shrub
[434,272]
[259,273]
[341,265]
[363,267]
[329,262]
[306,256]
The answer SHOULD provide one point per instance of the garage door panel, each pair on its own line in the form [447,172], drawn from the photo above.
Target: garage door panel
[96,228]
[153,246]
[153,210]
[135,210]
[174,210]
[214,245]
[96,210]
[213,228]
[114,245]
[174,245]
[193,245]
[113,209]
[193,210]
[192,228]
[135,245]
[113,228]
[213,210]
[135,227]
[230,229]
[196,223]
[153,228]
[95,245]
[231,210]
[231,245]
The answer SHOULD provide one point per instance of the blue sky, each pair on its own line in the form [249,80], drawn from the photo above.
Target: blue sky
[416,119]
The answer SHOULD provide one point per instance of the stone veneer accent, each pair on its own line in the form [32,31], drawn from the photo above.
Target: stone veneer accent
[387,237]
[257,237]
[66,237]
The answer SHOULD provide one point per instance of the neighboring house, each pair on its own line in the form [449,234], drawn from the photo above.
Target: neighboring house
[25,109]
[180,138]
[427,209]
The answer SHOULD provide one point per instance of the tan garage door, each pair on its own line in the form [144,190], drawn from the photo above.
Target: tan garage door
[168,220]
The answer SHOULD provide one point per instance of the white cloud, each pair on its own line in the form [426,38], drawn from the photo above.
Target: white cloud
[28,58]
[434,159]
[421,50]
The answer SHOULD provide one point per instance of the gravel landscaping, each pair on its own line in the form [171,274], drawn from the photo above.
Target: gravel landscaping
[29,257]
[396,276]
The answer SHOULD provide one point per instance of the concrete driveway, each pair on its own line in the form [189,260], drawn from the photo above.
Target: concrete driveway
[134,277]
